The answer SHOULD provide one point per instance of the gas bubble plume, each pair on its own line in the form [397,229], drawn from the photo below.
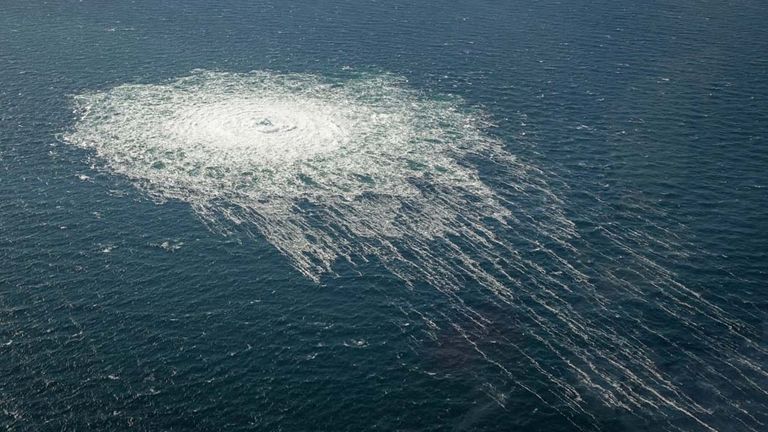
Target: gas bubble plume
[364,168]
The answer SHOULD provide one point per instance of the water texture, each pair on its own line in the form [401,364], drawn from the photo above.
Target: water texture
[360,216]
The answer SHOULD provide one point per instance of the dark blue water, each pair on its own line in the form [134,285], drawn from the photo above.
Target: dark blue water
[643,126]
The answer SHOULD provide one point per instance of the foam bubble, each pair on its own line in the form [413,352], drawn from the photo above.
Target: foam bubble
[263,143]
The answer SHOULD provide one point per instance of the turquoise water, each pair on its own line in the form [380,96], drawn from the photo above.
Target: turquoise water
[383,216]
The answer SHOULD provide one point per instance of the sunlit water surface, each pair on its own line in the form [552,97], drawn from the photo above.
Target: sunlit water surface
[383,216]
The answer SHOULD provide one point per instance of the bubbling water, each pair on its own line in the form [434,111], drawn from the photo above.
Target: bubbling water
[348,170]
[254,145]
[276,131]
[277,137]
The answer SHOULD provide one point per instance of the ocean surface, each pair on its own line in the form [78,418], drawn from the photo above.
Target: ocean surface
[384,215]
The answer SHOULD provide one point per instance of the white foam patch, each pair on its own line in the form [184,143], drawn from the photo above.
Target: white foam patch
[258,145]
[362,168]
